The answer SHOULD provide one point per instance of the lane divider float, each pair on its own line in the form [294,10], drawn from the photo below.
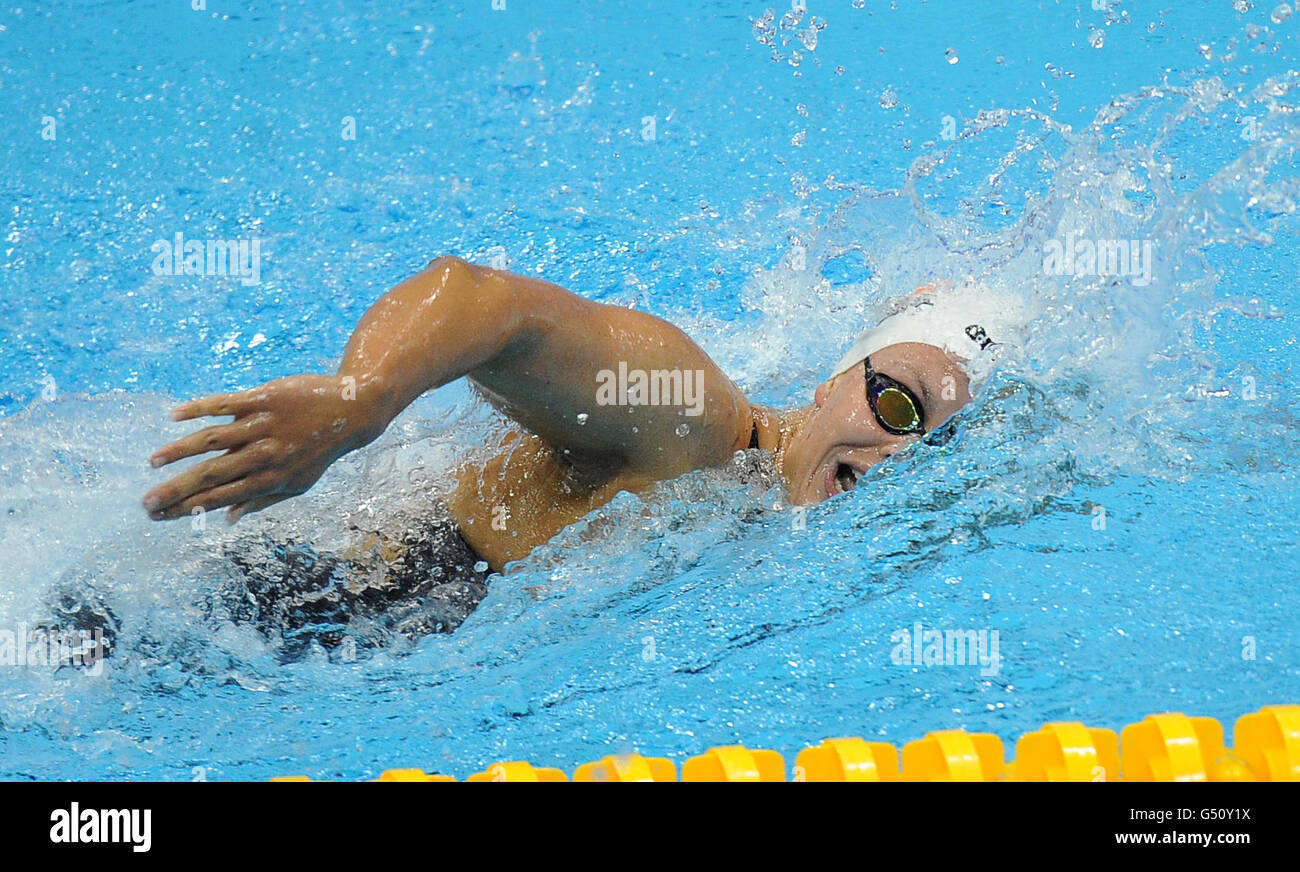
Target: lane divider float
[1161,747]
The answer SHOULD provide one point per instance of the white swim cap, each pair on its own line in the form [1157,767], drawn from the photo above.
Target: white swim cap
[969,321]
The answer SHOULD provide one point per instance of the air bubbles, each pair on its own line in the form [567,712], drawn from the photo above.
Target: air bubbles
[801,186]
[1280,13]
[951,55]
[1242,6]
[481,566]
[1205,51]
[582,418]
[683,429]
[1096,38]
[889,98]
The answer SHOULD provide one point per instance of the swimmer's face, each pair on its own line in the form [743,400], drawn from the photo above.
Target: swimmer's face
[839,438]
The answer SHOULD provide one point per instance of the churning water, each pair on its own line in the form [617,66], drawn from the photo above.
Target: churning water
[1120,505]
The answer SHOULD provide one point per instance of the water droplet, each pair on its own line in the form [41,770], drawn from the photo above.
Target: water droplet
[1096,38]
[798,139]
[802,110]
[1281,13]
[1242,6]
[951,55]
[889,98]
[859,4]
[682,429]
[582,418]
[481,566]
[1205,51]
[800,185]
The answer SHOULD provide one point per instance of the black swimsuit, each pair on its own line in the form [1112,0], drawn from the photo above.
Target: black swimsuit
[297,598]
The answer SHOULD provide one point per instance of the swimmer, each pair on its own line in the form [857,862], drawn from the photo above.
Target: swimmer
[545,358]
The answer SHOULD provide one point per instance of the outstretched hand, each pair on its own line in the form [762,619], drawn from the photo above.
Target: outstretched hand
[284,435]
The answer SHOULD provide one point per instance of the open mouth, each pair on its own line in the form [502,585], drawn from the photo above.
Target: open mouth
[846,478]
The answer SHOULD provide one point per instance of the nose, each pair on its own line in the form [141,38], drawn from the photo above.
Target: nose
[890,448]
[874,449]
[821,392]
[866,439]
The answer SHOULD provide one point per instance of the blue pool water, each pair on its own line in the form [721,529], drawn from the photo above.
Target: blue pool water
[1121,506]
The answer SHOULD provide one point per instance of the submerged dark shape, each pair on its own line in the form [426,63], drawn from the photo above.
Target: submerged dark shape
[297,598]
[82,629]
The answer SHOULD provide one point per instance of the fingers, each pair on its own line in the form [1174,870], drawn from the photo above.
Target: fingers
[251,487]
[238,510]
[217,405]
[222,437]
[166,500]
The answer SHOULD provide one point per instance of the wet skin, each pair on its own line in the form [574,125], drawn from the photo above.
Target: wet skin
[534,350]
[824,448]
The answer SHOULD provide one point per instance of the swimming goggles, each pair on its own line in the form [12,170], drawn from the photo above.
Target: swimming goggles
[896,408]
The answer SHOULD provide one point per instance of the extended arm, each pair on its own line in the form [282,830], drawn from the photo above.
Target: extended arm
[542,355]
